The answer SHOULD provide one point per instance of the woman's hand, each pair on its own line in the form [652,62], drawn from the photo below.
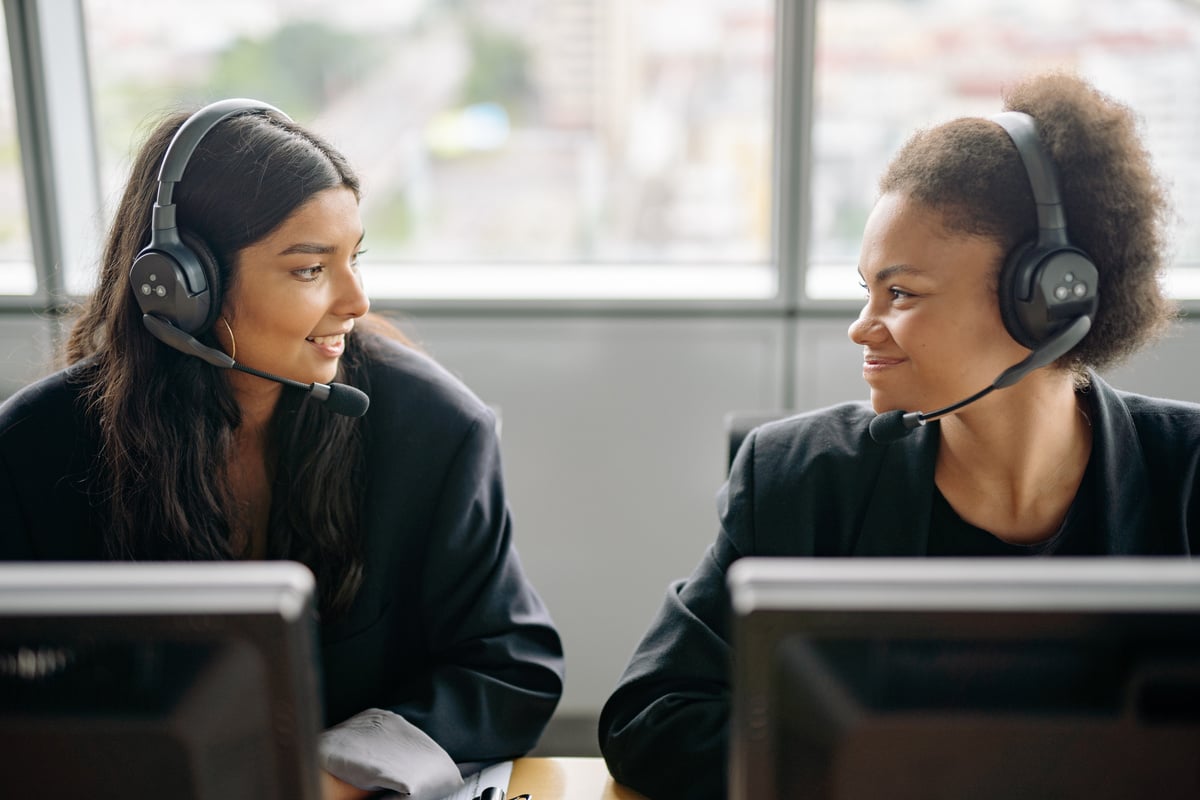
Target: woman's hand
[337,789]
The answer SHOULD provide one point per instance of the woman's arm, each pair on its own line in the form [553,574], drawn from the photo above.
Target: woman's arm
[497,659]
[483,662]
[14,539]
[665,729]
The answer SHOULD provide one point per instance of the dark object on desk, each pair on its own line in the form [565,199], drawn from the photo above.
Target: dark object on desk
[949,678]
[193,681]
[496,793]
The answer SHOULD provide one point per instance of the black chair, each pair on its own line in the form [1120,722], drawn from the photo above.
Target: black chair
[738,425]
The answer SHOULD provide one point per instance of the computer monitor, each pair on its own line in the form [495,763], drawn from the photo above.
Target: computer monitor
[965,678]
[189,681]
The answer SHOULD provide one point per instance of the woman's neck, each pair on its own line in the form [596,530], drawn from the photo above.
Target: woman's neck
[1013,463]
[251,476]
[251,467]
[257,399]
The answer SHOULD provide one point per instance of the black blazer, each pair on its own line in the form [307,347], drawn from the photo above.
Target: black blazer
[446,630]
[818,485]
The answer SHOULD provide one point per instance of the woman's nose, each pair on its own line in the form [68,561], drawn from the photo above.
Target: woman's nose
[865,329]
[353,300]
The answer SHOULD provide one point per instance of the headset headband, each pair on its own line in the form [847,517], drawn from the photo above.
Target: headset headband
[1043,179]
[183,145]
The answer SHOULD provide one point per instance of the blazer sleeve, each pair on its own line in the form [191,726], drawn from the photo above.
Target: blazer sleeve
[664,731]
[14,537]
[46,452]
[497,660]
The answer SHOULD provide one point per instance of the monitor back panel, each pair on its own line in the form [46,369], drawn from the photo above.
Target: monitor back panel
[861,678]
[174,680]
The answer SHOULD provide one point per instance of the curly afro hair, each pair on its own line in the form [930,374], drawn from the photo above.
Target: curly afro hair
[1116,206]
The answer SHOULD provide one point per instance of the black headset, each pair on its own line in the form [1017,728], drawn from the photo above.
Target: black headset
[176,277]
[1045,284]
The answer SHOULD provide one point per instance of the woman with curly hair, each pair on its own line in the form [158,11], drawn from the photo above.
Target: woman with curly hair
[989,307]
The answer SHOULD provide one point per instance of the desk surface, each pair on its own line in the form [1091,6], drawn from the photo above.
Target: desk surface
[566,779]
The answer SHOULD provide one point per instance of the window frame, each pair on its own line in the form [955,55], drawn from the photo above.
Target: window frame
[56,134]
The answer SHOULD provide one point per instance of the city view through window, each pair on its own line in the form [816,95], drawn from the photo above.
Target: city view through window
[885,68]
[508,133]
[505,141]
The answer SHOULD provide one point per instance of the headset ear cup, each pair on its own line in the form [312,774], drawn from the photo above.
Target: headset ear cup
[1010,294]
[212,275]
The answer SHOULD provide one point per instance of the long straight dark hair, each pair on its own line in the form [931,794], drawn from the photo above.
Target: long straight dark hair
[166,421]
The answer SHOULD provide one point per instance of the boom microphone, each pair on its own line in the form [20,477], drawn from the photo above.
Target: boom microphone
[337,397]
[891,426]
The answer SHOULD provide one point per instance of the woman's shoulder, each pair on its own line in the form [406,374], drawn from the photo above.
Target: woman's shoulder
[50,400]
[838,429]
[1165,431]
[832,442]
[1178,420]
[1144,408]
[407,384]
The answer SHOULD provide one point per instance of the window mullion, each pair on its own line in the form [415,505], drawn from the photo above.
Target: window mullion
[54,118]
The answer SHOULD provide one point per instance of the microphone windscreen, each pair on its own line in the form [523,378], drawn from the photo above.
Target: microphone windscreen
[889,427]
[346,400]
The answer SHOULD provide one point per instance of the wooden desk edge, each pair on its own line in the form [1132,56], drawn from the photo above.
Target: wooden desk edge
[566,779]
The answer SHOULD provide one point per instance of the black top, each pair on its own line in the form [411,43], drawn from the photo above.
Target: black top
[817,485]
[951,535]
[446,631]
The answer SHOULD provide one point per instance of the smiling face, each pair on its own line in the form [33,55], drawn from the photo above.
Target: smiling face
[296,293]
[931,331]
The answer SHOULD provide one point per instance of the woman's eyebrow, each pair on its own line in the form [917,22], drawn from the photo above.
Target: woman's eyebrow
[307,248]
[314,248]
[895,269]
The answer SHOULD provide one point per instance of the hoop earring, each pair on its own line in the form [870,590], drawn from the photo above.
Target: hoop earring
[232,340]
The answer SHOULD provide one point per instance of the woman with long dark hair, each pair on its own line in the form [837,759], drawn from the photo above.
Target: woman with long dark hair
[437,654]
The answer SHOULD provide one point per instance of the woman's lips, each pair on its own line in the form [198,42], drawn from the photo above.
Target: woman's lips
[331,346]
[873,365]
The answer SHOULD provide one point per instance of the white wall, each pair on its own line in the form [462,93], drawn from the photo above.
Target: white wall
[26,350]
[614,445]
[614,448]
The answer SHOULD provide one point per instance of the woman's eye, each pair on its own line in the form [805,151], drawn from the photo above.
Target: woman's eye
[307,273]
[359,254]
[896,292]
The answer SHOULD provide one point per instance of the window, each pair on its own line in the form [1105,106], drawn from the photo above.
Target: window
[885,68]
[508,148]
[16,255]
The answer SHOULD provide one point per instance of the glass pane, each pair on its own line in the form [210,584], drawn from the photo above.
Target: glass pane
[497,136]
[17,274]
[887,67]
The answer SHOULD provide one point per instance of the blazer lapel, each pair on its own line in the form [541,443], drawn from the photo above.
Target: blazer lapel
[896,522]
[1122,489]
